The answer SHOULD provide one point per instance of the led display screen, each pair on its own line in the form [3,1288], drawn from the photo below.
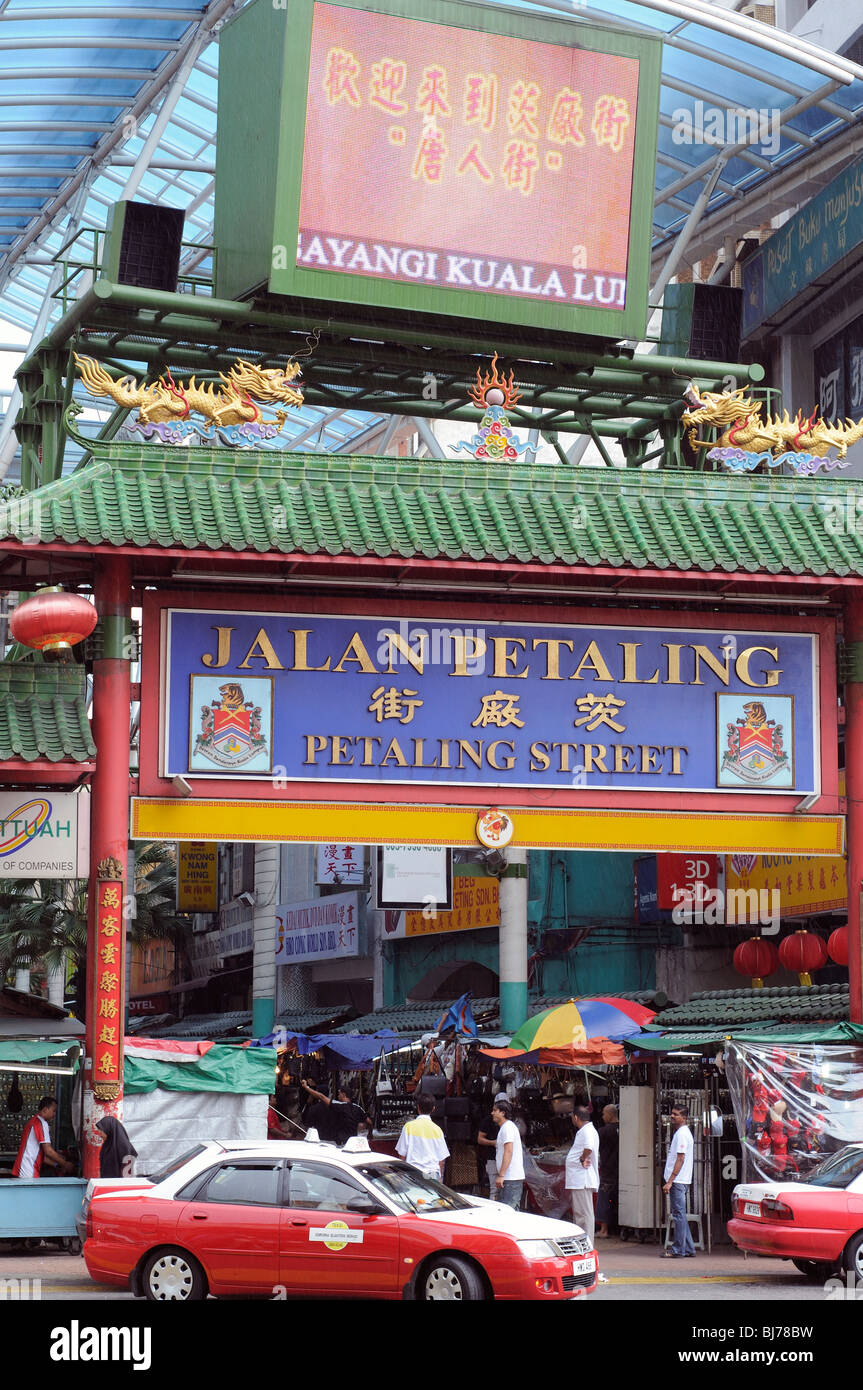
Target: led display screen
[465,160]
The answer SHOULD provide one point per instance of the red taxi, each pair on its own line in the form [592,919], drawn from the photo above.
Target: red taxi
[816,1223]
[287,1219]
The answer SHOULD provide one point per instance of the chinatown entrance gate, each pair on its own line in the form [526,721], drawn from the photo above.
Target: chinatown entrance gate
[375,650]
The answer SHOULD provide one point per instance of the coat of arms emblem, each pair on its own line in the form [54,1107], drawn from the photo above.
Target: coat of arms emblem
[231,731]
[754,750]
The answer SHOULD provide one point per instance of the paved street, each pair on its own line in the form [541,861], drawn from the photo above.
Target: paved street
[635,1272]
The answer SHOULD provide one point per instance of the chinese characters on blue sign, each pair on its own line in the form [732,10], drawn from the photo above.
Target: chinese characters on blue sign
[337,699]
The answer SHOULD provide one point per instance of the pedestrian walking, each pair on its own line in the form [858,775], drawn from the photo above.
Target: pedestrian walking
[678,1180]
[421,1141]
[582,1171]
[509,1156]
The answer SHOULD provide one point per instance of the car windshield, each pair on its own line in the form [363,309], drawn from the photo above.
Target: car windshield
[411,1191]
[175,1164]
[839,1170]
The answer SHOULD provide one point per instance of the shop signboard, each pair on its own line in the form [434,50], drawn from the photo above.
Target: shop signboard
[409,702]
[476,904]
[414,876]
[320,929]
[666,881]
[197,877]
[44,834]
[805,249]
[340,864]
[430,156]
[806,883]
[107,989]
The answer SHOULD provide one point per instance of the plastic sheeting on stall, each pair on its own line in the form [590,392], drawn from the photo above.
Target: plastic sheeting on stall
[794,1104]
[164,1124]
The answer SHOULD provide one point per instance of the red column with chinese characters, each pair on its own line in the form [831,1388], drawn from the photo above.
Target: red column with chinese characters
[854,793]
[109,848]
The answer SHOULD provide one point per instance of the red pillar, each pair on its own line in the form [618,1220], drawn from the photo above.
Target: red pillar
[854,793]
[109,816]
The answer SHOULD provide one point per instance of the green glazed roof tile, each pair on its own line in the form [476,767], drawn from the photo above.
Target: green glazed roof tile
[447,509]
[43,713]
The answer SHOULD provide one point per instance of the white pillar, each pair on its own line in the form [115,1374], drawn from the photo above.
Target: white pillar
[513,941]
[264,921]
[56,980]
[22,981]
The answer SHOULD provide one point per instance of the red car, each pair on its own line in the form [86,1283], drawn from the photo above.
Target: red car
[287,1219]
[816,1223]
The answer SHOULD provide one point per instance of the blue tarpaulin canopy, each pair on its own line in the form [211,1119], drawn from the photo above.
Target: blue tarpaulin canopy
[343,1051]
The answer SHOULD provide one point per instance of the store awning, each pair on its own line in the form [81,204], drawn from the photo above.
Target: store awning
[37,1050]
[793,1034]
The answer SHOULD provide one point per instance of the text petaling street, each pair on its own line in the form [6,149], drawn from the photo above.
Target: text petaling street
[459,754]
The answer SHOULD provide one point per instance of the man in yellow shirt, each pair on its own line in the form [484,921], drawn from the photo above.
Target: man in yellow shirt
[421,1142]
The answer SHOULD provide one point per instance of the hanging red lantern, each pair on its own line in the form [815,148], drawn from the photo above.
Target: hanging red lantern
[837,945]
[756,958]
[803,952]
[52,620]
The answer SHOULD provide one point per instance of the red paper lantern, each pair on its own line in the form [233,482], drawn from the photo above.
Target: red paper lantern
[803,952]
[756,958]
[837,945]
[52,620]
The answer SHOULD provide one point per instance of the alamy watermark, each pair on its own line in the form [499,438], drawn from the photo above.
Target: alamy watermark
[727,126]
[698,905]
[21,518]
[464,648]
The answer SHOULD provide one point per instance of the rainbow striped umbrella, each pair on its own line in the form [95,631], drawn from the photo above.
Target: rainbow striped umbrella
[574,1024]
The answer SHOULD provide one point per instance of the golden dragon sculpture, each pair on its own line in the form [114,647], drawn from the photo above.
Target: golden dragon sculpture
[166,400]
[739,418]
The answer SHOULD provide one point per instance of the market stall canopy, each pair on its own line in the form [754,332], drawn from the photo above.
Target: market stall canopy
[793,1034]
[593,1053]
[38,1050]
[571,1024]
[343,1051]
[230,1070]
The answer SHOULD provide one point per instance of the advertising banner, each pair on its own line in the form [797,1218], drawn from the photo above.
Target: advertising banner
[329,698]
[339,864]
[44,834]
[197,877]
[414,876]
[666,881]
[806,883]
[476,903]
[320,929]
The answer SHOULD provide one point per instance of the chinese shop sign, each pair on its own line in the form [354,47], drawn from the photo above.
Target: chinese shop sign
[339,864]
[108,982]
[476,903]
[806,883]
[321,929]
[454,159]
[197,877]
[494,705]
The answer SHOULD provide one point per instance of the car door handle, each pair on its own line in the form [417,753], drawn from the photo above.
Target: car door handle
[199,1216]
[299,1223]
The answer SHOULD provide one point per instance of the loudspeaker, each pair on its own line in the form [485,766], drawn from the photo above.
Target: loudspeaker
[143,244]
[701,321]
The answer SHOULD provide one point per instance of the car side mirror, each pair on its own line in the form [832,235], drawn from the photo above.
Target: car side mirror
[363,1205]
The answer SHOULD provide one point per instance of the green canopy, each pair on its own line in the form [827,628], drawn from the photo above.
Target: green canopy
[791,1034]
[241,1070]
[37,1050]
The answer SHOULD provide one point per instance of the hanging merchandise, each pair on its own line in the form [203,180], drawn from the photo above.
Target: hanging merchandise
[794,1105]
[384,1085]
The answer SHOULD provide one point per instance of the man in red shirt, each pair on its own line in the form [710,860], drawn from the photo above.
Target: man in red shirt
[36,1143]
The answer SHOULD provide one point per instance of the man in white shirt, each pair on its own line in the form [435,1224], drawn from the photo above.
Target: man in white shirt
[421,1141]
[508,1156]
[678,1179]
[36,1144]
[582,1171]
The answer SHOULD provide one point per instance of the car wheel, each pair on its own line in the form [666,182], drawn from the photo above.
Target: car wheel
[853,1260]
[817,1270]
[173,1276]
[451,1279]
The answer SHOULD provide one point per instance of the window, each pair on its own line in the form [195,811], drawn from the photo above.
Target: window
[839,1170]
[175,1164]
[407,1187]
[315,1188]
[252,1184]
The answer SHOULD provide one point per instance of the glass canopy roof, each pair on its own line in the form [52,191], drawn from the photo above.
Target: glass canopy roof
[107,100]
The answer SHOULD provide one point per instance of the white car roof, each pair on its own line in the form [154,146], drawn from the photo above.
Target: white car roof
[297,1148]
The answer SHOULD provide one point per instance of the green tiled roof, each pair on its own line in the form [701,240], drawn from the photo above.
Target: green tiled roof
[736,1007]
[43,713]
[337,505]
